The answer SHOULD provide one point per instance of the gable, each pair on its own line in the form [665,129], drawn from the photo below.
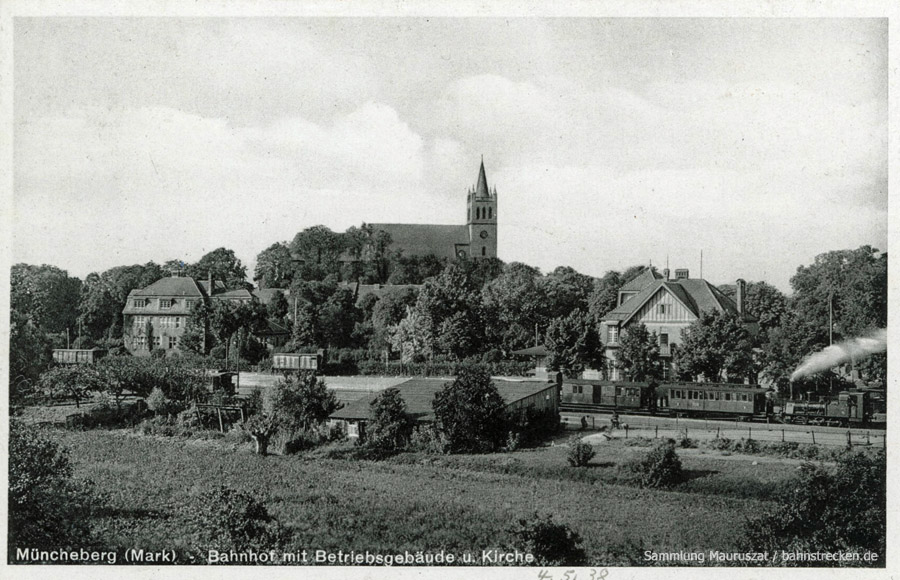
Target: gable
[673,309]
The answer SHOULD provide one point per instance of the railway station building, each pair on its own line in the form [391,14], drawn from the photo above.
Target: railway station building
[666,305]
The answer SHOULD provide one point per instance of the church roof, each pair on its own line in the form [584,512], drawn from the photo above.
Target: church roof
[640,281]
[481,190]
[424,239]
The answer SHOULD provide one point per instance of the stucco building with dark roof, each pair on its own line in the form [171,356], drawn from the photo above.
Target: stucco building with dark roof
[155,317]
[476,239]
[666,306]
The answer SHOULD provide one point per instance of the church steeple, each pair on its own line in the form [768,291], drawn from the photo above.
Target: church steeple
[481,189]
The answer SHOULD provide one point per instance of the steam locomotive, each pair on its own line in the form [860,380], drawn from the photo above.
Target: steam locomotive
[714,400]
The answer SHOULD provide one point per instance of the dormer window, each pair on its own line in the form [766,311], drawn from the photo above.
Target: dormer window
[166,302]
[140,303]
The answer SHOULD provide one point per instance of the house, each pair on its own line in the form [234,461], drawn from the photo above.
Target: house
[666,306]
[155,317]
[419,395]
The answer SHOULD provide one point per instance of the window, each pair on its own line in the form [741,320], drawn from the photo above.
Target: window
[177,322]
[166,302]
[156,341]
[665,372]
[661,308]
[490,212]
[139,342]
[190,304]
[173,342]
[744,396]
[727,396]
[483,250]
[613,334]
[664,344]
[140,320]
[140,303]
[577,389]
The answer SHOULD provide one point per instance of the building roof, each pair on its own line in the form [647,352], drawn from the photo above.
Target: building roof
[481,188]
[442,241]
[696,294]
[640,281]
[175,286]
[418,394]
[266,295]
[539,350]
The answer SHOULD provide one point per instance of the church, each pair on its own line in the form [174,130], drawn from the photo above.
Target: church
[476,239]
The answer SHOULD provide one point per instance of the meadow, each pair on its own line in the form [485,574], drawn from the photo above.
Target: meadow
[465,503]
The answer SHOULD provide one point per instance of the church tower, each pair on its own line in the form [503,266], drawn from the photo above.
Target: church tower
[482,218]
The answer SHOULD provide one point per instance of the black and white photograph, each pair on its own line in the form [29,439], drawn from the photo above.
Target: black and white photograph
[387,289]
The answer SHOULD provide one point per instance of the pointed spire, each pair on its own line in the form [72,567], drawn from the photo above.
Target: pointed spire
[482,187]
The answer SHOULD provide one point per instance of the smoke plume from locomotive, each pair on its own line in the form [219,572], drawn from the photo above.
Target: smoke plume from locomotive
[842,352]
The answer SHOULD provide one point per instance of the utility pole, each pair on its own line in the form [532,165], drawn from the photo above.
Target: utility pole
[830,336]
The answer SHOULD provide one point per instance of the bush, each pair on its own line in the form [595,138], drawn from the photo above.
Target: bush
[157,353]
[390,427]
[470,414]
[825,511]
[426,439]
[227,519]
[47,508]
[580,453]
[660,467]
[551,543]
[160,404]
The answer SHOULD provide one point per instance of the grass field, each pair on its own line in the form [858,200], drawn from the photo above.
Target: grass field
[418,502]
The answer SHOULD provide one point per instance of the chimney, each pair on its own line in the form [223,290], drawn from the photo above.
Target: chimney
[682,274]
[666,274]
[739,291]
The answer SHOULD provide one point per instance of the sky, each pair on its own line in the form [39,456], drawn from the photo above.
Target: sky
[612,142]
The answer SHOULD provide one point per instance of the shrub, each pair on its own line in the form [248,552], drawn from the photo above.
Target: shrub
[660,467]
[824,511]
[157,353]
[228,519]
[159,403]
[390,427]
[470,414]
[47,508]
[580,453]
[302,402]
[254,401]
[426,439]
[551,543]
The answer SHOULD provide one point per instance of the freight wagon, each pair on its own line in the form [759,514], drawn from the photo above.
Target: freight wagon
[295,362]
[77,356]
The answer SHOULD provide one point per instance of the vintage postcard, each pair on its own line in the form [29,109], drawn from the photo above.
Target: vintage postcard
[379,290]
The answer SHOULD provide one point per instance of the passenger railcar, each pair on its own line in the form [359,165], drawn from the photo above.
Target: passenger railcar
[609,395]
[77,356]
[713,399]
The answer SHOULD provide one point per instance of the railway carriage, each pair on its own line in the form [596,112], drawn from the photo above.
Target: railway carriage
[77,356]
[713,399]
[295,362]
[608,394]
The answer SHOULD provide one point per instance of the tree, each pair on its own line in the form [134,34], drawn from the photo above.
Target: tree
[565,291]
[196,338]
[223,265]
[277,309]
[29,352]
[821,511]
[368,249]
[337,318]
[574,344]
[103,297]
[514,303]
[712,344]
[318,250]
[303,401]
[551,543]
[470,414]
[856,281]
[387,312]
[75,382]
[412,337]
[48,510]
[389,427]
[45,294]
[638,354]
[274,267]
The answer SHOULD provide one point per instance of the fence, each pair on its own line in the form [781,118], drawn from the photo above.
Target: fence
[708,430]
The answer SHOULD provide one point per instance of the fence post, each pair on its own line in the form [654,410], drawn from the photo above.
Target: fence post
[718,432]
[626,430]
[782,435]
[749,432]
[849,440]
[813,433]
[868,442]
[656,432]
[221,425]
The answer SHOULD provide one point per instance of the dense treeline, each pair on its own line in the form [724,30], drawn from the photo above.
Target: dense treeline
[435,311]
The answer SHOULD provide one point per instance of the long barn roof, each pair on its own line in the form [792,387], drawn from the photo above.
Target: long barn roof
[418,394]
